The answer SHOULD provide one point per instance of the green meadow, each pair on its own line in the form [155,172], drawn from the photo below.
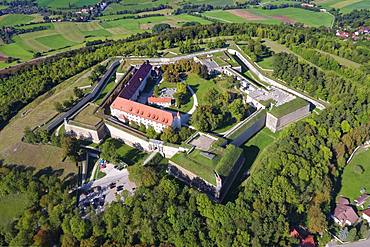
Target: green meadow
[353,180]
[62,4]
[275,16]
[18,19]
[345,6]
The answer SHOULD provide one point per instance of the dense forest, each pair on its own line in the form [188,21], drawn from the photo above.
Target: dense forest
[293,185]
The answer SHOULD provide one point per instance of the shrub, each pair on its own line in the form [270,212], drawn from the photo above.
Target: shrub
[358,169]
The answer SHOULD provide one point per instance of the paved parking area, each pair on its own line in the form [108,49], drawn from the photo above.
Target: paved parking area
[102,192]
[167,92]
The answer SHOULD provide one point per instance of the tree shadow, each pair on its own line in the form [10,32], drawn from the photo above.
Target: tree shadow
[49,171]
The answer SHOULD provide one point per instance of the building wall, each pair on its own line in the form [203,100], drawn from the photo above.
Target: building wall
[94,135]
[248,133]
[141,143]
[275,124]
[158,127]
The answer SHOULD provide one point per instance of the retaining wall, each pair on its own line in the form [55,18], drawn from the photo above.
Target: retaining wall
[252,130]
[276,124]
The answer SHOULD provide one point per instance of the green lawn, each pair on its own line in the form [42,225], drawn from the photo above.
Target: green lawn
[200,86]
[197,164]
[254,147]
[342,61]
[131,155]
[109,87]
[266,63]
[352,182]
[11,207]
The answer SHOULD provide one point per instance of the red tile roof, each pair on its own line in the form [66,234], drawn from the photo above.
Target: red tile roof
[144,111]
[134,83]
[159,100]
[309,241]
[367,212]
[344,212]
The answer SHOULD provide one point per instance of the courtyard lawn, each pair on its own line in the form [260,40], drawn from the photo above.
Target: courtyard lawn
[352,182]
[11,207]
[200,86]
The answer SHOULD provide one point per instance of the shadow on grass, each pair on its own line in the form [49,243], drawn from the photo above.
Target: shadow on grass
[250,153]
[132,156]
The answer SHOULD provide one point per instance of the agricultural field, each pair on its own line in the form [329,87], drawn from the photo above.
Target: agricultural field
[345,6]
[356,175]
[65,4]
[68,35]
[275,16]
[293,15]
[18,19]
[237,16]
[129,5]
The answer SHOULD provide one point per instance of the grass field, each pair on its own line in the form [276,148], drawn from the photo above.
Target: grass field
[229,17]
[275,16]
[11,207]
[17,19]
[345,6]
[134,5]
[41,110]
[56,4]
[352,182]
[309,18]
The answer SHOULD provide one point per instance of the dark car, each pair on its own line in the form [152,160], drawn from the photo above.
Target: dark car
[112,185]
[119,188]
